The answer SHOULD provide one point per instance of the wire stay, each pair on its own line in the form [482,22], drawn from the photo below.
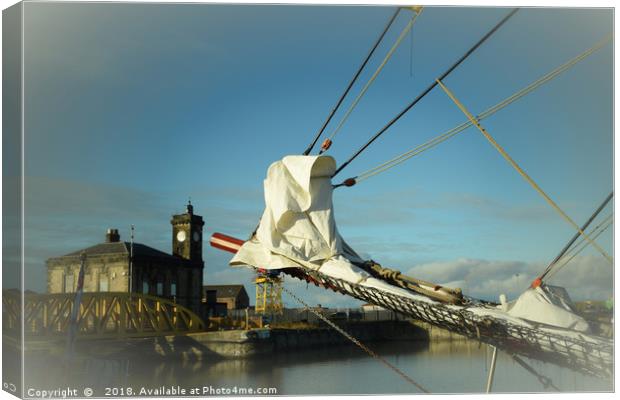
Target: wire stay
[521,172]
[427,90]
[357,74]
[487,113]
[403,34]
[357,342]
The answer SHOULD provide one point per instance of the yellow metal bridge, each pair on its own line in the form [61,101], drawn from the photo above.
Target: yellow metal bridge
[101,315]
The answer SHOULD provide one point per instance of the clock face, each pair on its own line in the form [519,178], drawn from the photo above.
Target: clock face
[181,236]
[196,236]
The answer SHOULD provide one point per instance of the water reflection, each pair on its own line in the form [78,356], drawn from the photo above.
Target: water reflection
[443,367]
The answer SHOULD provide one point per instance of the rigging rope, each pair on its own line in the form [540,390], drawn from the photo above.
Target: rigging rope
[426,91]
[516,166]
[490,111]
[357,74]
[576,236]
[417,11]
[603,227]
[604,224]
[357,342]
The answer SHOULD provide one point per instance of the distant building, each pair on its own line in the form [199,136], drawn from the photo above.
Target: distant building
[176,276]
[371,307]
[233,296]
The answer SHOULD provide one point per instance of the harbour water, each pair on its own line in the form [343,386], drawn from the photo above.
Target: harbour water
[458,366]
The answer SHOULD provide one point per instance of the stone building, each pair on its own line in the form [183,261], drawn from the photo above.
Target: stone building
[233,296]
[108,266]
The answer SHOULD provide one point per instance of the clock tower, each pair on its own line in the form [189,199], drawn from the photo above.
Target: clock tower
[187,235]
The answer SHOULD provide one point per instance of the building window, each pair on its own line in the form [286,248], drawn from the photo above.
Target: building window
[145,287]
[103,283]
[173,289]
[69,282]
[160,289]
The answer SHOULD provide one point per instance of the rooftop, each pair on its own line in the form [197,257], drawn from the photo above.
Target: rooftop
[224,290]
[120,248]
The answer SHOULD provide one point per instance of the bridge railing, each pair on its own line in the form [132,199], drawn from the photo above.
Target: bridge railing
[101,315]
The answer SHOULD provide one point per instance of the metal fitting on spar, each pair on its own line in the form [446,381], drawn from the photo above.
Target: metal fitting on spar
[347,182]
[536,283]
[327,143]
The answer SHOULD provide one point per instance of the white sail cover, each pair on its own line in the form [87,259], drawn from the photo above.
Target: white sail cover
[550,305]
[298,229]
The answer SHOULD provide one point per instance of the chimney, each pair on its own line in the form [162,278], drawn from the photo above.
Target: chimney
[112,236]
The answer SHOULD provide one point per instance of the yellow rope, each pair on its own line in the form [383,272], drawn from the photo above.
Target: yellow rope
[417,11]
[490,111]
[521,171]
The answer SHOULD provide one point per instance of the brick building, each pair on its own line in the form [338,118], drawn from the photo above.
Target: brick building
[232,296]
[177,276]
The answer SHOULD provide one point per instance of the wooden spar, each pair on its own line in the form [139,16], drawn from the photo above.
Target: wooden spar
[225,242]
[417,285]
[429,289]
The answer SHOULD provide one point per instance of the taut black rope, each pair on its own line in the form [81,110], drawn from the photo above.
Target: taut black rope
[570,243]
[427,90]
[359,71]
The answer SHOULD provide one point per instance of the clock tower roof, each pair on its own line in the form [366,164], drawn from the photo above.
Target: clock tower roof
[190,207]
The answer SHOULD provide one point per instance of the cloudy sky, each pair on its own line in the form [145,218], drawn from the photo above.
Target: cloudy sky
[131,109]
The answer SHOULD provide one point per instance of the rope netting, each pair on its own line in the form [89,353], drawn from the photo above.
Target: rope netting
[582,352]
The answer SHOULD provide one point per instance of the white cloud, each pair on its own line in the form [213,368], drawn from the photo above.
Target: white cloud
[585,277]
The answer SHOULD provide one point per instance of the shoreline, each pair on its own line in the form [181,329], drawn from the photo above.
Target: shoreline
[239,343]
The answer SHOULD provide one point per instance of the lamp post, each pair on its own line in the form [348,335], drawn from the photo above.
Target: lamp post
[131,262]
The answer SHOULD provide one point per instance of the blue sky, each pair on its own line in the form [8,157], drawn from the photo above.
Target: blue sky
[131,109]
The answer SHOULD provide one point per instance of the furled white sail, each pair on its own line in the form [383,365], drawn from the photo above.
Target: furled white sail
[549,305]
[298,229]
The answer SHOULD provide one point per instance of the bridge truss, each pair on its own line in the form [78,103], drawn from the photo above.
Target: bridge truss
[101,315]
